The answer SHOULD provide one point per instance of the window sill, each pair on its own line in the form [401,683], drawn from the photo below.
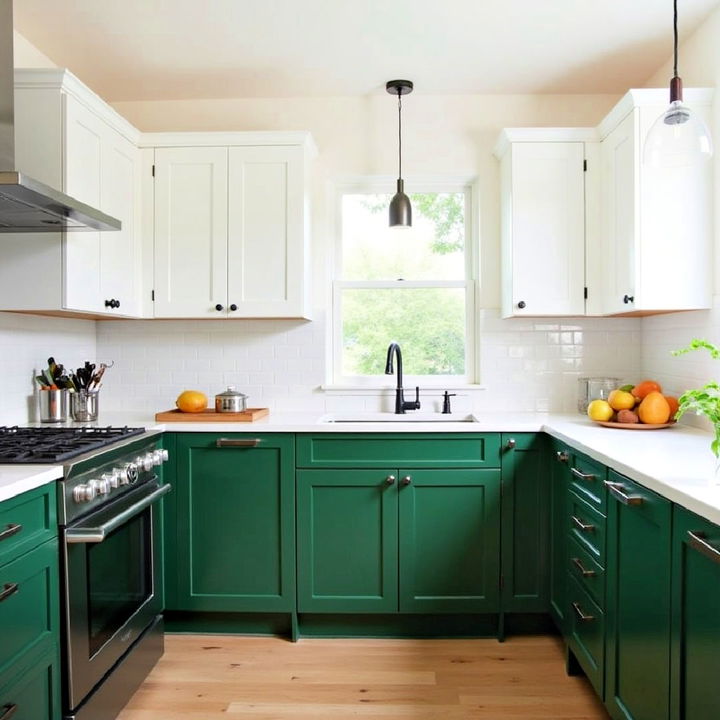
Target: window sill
[428,390]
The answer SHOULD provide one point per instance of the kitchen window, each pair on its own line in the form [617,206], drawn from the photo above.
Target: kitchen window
[411,285]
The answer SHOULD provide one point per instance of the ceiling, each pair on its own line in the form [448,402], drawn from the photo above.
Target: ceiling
[175,49]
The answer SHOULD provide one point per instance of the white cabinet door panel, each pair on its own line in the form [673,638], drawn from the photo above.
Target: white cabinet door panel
[191,206]
[266,231]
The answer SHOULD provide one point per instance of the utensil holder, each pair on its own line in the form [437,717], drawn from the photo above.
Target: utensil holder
[53,406]
[84,406]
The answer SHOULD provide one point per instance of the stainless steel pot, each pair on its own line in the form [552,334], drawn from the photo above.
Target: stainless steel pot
[230,401]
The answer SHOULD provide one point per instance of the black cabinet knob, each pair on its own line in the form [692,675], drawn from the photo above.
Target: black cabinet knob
[233,307]
[219,307]
[117,303]
[522,304]
[112,303]
[628,299]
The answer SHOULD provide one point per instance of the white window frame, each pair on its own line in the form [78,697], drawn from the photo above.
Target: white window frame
[379,185]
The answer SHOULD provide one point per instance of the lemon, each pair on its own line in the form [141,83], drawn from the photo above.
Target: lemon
[621,400]
[191,401]
[599,410]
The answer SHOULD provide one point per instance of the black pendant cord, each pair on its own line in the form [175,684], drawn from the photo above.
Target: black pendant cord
[399,135]
[675,39]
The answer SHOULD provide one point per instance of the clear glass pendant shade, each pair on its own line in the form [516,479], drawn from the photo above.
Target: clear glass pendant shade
[678,138]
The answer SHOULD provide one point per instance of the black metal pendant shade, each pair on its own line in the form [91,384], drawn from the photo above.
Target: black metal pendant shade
[400,214]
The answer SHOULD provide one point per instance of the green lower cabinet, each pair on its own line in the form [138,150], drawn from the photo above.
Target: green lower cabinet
[638,570]
[234,547]
[347,541]
[389,540]
[449,541]
[525,527]
[695,666]
[32,691]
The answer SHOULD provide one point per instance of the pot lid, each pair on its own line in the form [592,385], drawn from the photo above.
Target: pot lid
[231,392]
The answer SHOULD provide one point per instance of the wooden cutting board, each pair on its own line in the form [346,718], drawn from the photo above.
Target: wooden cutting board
[211,416]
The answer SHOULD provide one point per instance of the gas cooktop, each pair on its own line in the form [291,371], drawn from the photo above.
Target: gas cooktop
[56,444]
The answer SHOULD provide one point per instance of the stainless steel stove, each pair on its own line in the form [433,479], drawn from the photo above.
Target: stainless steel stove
[111,557]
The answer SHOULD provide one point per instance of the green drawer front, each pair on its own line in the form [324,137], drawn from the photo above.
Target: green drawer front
[587,479]
[587,526]
[28,614]
[27,521]
[30,691]
[586,571]
[587,635]
[380,450]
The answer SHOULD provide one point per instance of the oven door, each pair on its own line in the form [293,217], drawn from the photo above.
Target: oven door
[113,585]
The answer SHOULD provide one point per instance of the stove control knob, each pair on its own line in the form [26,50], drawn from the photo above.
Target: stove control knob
[103,485]
[147,462]
[159,457]
[85,492]
[112,477]
[164,454]
[129,474]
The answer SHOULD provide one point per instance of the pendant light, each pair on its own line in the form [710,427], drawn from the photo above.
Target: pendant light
[400,207]
[679,137]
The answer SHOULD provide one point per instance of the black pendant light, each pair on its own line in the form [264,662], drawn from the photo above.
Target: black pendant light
[679,136]
[400,208]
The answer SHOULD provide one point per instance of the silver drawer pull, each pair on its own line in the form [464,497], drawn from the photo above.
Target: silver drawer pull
[582,475]
[580,525]
[8,711]
[581,614]
[699,541]
[8,590]
[617,490]
[234,442]
[581,568]
[9,531]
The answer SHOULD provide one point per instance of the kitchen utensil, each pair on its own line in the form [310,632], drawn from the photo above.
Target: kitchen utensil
[594,388]
[230,401]
[84,406]
[53,405]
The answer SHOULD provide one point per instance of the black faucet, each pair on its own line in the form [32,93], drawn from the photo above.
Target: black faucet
[401,405]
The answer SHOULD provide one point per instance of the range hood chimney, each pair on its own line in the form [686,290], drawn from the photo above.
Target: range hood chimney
[27,205]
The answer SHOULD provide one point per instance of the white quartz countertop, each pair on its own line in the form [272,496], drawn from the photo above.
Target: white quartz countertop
[675,462]
[17,479]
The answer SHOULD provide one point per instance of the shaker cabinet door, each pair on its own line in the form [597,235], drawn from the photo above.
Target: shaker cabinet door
[191,208]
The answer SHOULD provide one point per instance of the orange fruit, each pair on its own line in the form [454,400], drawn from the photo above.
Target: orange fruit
[646,386]
[654,409]
[674,404]
[621,400]
[191,401]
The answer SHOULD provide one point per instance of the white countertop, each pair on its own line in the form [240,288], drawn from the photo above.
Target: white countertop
[675,462]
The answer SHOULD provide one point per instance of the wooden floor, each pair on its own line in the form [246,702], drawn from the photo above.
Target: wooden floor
[211,677]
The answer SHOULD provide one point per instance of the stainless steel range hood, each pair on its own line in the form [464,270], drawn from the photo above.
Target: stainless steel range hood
[27,205]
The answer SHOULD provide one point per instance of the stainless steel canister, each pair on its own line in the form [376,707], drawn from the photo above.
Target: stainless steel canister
[230,401]
[84,406]
[53,406]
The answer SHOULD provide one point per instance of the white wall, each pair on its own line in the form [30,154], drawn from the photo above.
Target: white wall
[699,66]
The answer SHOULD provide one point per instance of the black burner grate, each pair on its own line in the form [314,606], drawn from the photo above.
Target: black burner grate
[54,445]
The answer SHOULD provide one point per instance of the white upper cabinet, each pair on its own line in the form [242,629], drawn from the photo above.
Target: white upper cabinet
[70,139]
[656,228]
[231,225]
[543,224]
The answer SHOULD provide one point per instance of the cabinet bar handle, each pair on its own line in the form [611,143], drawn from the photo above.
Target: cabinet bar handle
[9,531]
[581,568]
[234,442]
[581,525]
[617,489]
[698,540]
[8,590]
[579,612]
[582,475]
[8,711]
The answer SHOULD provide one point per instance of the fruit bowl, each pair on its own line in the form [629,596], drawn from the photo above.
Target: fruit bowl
[635,426]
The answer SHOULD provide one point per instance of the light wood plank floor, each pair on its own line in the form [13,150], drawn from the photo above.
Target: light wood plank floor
[211,677]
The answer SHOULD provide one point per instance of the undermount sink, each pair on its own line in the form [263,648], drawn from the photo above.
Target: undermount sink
[409,417]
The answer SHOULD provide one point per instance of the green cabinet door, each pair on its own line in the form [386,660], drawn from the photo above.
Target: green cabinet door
[347,541]
[235,514]
[524,570]
[695,668]
[558,554]
[637,612]
[32,690]
[449,540]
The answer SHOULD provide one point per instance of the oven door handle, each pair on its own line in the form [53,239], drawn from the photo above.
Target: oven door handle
[99,533]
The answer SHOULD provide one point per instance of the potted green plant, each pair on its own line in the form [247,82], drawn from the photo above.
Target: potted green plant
[705,400]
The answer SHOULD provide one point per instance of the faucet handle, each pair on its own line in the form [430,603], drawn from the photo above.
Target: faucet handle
[446,402]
